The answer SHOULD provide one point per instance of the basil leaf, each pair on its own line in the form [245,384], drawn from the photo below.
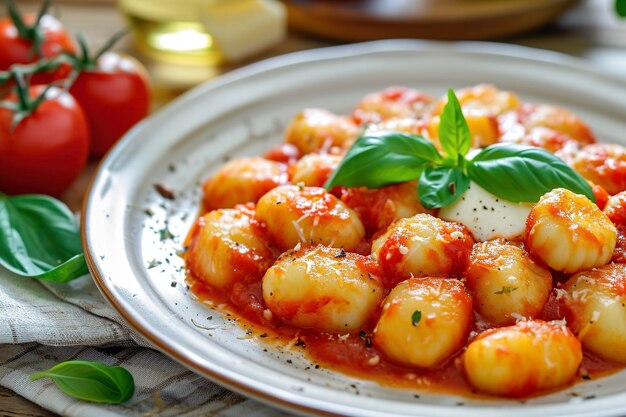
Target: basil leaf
[441,186]
[382,158]
[91,381]
[620,8]
[520,173]
[454,134]
[39,238]
[416,317]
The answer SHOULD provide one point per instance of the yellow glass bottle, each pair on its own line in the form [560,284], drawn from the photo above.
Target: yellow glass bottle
[204,31]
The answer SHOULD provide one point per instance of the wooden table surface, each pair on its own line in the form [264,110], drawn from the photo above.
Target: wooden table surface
[591,31]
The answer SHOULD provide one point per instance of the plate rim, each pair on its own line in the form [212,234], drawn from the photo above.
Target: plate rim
[317,54]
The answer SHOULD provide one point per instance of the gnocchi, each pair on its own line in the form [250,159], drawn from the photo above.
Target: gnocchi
[241,181]
[317,130]
[481,105]
[424,321]
[569,233]
[392,103]
[225,248]
[529,116]
[314,169]
[520,360]
[309,215]
[506,283]
[379,208]
[596,303]
[422,245]
[322,288]
[603,164]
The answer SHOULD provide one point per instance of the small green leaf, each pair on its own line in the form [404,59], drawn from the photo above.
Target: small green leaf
[620,8]
[520,173]
[454,134]
[506,290]
[39,238]
[416,317]
[91,381]
[441,186]
[382,158]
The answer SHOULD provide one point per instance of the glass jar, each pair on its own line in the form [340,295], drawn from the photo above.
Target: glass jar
[204,31]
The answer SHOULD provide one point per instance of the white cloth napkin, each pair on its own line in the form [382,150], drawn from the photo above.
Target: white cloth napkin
[42,324]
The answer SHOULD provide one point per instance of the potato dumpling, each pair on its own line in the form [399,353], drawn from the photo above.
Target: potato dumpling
[405,125]
[505,282]
[322,288]
[520,360]
[424,321]
[378,208]
[481,104]
[314,169]
[529,116]
[483,128]
[309,215]
[596,310]
[603,164]
[225,249]
[568,232]
[317,130]
[483,100]
[541,137]
[392,103]
[242,180]
[422,245]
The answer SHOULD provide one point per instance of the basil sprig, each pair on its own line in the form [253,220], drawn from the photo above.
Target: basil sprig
[39,238]
[91,381]
[512,172]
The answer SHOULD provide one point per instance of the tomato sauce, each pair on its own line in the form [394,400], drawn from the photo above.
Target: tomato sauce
[354,354]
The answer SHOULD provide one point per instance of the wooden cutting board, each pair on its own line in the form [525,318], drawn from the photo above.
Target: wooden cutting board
[357,20]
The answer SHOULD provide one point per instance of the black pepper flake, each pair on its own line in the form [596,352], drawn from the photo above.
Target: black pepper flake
[263,335]
[317,367]
[341,254]
[173,284]
[289,361]
[164,191]
[415,396]
[586,377]
[149,212]
[278,203]
[366,338]
[171,168]
[301,343]
[589,397]
[485,208]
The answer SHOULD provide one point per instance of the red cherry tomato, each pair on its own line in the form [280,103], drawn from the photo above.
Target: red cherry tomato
[115,96]
[16,50]
[47,150]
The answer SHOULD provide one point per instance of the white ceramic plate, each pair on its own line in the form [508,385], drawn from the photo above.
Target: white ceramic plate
[244,113]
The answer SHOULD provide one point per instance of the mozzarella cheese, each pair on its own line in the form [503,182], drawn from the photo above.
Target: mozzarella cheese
[486,216]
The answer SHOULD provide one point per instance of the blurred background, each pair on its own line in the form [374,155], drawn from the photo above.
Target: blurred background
[186,42]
